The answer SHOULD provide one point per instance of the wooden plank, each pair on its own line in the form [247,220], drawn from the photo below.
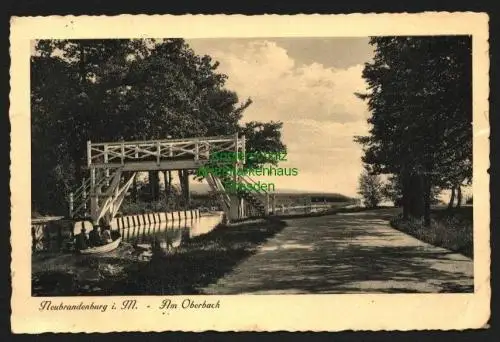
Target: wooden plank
[222,138]
[126,150]
[153,166]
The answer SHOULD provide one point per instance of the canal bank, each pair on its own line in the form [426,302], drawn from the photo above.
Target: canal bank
[52,233]
[129,221]
[183,267]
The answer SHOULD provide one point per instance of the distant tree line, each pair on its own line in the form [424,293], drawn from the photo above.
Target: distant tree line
[374,190]
[420,98]
[125,89]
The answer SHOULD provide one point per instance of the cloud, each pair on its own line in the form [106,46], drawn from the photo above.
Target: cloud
[265,72]
[317,105]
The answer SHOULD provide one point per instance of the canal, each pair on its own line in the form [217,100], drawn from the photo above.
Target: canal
[170,234]
[55,272]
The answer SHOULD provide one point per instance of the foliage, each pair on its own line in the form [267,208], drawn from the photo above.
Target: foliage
[392,191]
[370,188]
[451,230]
[421,103]
[119,89]
[263,143]
[262,137]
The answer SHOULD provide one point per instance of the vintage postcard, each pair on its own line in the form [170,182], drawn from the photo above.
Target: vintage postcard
[250,173]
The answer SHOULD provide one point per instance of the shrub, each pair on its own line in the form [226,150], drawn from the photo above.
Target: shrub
[370,188]
[453,231]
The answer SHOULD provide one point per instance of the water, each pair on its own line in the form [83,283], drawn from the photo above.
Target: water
[56,273]
[173,233]
[169,234]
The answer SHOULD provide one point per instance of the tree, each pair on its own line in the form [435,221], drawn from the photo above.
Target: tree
[263,141]
[392,190]
[421,104]
[262,137]
[370,188]
[119,89]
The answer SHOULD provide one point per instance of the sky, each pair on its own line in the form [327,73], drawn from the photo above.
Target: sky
[309,85]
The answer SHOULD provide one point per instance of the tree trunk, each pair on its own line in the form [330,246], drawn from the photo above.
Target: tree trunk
[82,65]
[168,186]
[459,196]
[78,168]
[151,185]
[184,182]
[134,190]
[180,173]
[186,187]
[406,196]
[452,198]
[427,201]
[416,209]
[157,185]
[154,185]
[166,191]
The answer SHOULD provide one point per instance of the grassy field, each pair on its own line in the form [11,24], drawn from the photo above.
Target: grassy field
[450,229]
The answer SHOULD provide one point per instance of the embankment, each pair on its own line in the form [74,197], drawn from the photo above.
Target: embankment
[50,233]
[450,229]
[128,221]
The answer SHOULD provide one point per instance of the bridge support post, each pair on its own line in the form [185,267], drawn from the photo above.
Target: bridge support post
[234,208]
[266,208]
[84,197]
[71,205]
[94,201]
[242,208]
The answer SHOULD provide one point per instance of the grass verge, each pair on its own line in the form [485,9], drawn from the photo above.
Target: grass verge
[450,229]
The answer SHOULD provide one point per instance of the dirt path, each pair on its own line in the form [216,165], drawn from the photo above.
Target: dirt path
[347,253]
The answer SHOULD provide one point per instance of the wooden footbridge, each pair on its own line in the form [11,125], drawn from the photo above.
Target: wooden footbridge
[113,166]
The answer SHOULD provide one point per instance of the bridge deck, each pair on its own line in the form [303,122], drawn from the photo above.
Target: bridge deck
[114,165]
[164,154]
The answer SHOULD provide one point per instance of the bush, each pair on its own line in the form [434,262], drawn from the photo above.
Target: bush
[142,207]
[451,231]
[370,188]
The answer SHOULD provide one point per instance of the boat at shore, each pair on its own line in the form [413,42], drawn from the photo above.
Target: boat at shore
[102,249]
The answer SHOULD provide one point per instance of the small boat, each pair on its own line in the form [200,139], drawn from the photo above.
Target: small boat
[104,248]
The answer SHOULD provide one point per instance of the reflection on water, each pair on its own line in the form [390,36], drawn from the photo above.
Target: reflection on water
[139,244]
[169,235]
[165,236]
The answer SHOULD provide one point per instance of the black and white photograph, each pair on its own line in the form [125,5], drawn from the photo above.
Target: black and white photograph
[368,190]
[213,166]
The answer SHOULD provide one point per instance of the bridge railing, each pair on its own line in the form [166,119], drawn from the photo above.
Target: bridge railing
[259,192]
[159,150]
[79,199]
